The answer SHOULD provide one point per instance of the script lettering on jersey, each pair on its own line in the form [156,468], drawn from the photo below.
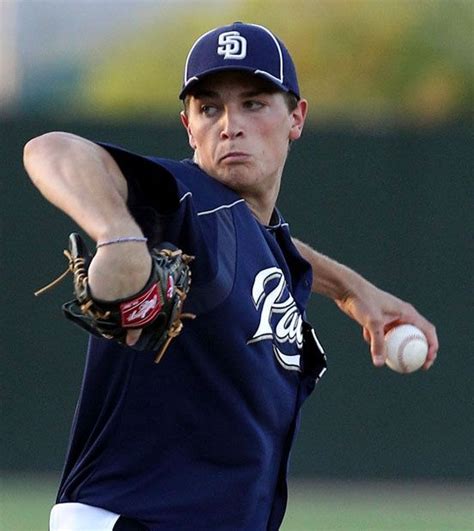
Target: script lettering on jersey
[232,45]
[280,319]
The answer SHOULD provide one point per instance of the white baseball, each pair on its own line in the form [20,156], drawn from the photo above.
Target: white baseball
[406,348]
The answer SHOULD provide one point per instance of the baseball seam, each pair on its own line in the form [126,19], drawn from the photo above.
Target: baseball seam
[401,349]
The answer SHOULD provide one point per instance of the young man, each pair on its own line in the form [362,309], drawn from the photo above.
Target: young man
[201,440]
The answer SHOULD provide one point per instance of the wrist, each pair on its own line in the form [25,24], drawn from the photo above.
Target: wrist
[122,239]
[119,271]
[119,229]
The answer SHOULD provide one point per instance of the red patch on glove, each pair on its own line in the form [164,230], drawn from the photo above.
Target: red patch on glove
[142,310]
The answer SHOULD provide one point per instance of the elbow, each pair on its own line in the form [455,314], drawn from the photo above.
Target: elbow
[40,151]
[31,149]
[40,146]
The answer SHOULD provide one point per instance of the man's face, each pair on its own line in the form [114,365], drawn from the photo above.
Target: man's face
[240,131]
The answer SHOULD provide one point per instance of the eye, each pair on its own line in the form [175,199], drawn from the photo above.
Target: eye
[253,105]
[208,109]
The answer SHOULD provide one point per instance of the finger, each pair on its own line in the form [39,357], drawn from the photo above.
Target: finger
[377,346]
[431,336]
[133,336]
[366,335]
[433,345]
[431,357]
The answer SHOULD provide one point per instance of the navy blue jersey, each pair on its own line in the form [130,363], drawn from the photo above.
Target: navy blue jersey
[201,440]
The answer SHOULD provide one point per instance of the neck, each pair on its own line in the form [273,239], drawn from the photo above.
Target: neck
[262,207]
[260,199]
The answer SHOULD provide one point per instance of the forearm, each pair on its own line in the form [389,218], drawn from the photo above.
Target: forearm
[374,309]
[83,180]
[330,278]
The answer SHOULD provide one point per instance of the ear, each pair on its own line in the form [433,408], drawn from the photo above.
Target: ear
[185,121]
[298,117]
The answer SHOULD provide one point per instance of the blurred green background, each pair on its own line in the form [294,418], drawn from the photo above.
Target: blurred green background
[381,181]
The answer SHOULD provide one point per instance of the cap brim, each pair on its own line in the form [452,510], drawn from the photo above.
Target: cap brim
[263,75]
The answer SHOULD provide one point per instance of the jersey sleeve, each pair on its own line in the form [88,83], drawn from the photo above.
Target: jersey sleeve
[175,201]
[153,194]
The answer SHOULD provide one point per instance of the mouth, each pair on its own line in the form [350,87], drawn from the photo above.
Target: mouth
[234,156]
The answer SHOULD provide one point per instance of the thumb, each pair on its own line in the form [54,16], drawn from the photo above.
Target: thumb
[133,336]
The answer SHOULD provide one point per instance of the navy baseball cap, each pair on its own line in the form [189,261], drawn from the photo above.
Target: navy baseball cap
[244,47]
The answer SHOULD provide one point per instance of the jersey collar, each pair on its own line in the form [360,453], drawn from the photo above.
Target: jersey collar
[276,221]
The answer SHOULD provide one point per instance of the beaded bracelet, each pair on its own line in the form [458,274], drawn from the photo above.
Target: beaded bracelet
[125,239]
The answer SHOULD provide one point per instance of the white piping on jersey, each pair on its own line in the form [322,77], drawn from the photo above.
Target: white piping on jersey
[206,212]
[185,195]
[277,226]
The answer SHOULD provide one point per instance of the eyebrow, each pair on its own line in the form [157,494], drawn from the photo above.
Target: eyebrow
[204,94]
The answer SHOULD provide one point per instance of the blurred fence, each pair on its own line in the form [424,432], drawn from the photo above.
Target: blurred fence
[396,205]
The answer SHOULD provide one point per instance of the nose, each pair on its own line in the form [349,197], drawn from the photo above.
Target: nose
[232,126]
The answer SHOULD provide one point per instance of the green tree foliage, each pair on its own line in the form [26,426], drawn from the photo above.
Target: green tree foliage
[359,60]
[140,74]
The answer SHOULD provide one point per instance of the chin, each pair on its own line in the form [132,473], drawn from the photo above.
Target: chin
[239,180]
